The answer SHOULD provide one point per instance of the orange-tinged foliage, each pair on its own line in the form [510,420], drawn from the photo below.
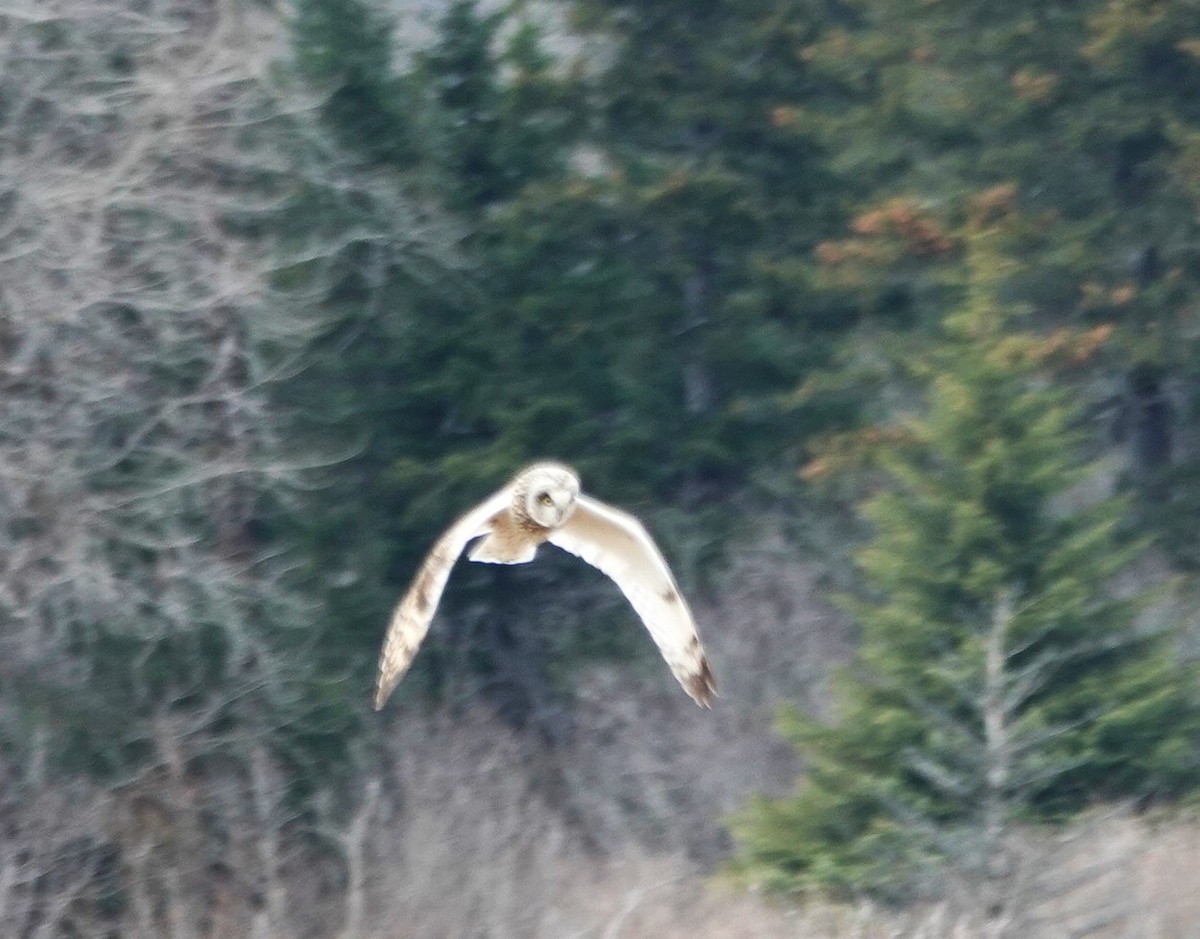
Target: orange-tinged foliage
[784,116]
[1095,296]
[1062,347]
[816,468]
[1121,26]
[1033,85]
[1123,293]
[993,205]
[853,449]
[848,251]
[902,217]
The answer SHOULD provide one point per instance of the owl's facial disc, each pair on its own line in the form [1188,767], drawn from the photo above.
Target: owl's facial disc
[546,494]
[552,506]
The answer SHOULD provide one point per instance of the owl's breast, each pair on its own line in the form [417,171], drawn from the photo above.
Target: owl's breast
[511,541]
[531,529]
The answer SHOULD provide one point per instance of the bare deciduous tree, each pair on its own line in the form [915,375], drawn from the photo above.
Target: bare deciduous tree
[141,148]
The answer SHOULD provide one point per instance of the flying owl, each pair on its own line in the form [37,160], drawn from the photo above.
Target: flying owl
[543,503]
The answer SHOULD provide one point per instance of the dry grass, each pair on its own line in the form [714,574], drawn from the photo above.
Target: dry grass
[473,831]
[466,871]
[480,853]
[621,834]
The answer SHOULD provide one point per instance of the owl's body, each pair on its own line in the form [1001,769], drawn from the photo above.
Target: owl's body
[510,542]
[544,503]
[543,498]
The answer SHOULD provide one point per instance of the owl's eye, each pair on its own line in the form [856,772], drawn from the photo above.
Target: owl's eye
[545,499]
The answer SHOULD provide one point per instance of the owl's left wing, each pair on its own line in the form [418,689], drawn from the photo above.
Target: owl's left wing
[618,544]
[415,611]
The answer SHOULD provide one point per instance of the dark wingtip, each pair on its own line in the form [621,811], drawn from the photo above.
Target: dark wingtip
[703,685]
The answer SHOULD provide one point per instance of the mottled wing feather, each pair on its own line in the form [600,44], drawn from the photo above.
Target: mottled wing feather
[620,546]
[414,612]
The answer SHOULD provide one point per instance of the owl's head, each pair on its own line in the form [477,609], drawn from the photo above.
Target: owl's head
[545,493]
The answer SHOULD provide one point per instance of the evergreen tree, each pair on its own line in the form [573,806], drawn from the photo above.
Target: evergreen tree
[502,118]
[1087,114]
[709,118]
[346,49]
[430,379]
[619,298]
[998,677]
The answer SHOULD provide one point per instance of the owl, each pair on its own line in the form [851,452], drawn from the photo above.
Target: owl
[543,503]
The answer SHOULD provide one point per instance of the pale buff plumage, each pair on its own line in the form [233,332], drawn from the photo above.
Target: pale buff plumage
[543,503]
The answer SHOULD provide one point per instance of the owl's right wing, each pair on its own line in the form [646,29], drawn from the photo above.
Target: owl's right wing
[414,612]
[618,544]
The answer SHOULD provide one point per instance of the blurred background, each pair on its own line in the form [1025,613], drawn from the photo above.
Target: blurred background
[883,314]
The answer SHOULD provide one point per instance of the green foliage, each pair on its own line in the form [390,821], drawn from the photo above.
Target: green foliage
[684,259]
[641,311]
[1081,114]
[495,132]
[145,615]
[998,676]
[345,49]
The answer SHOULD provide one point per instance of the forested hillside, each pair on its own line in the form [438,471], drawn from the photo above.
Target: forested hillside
[884,315]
